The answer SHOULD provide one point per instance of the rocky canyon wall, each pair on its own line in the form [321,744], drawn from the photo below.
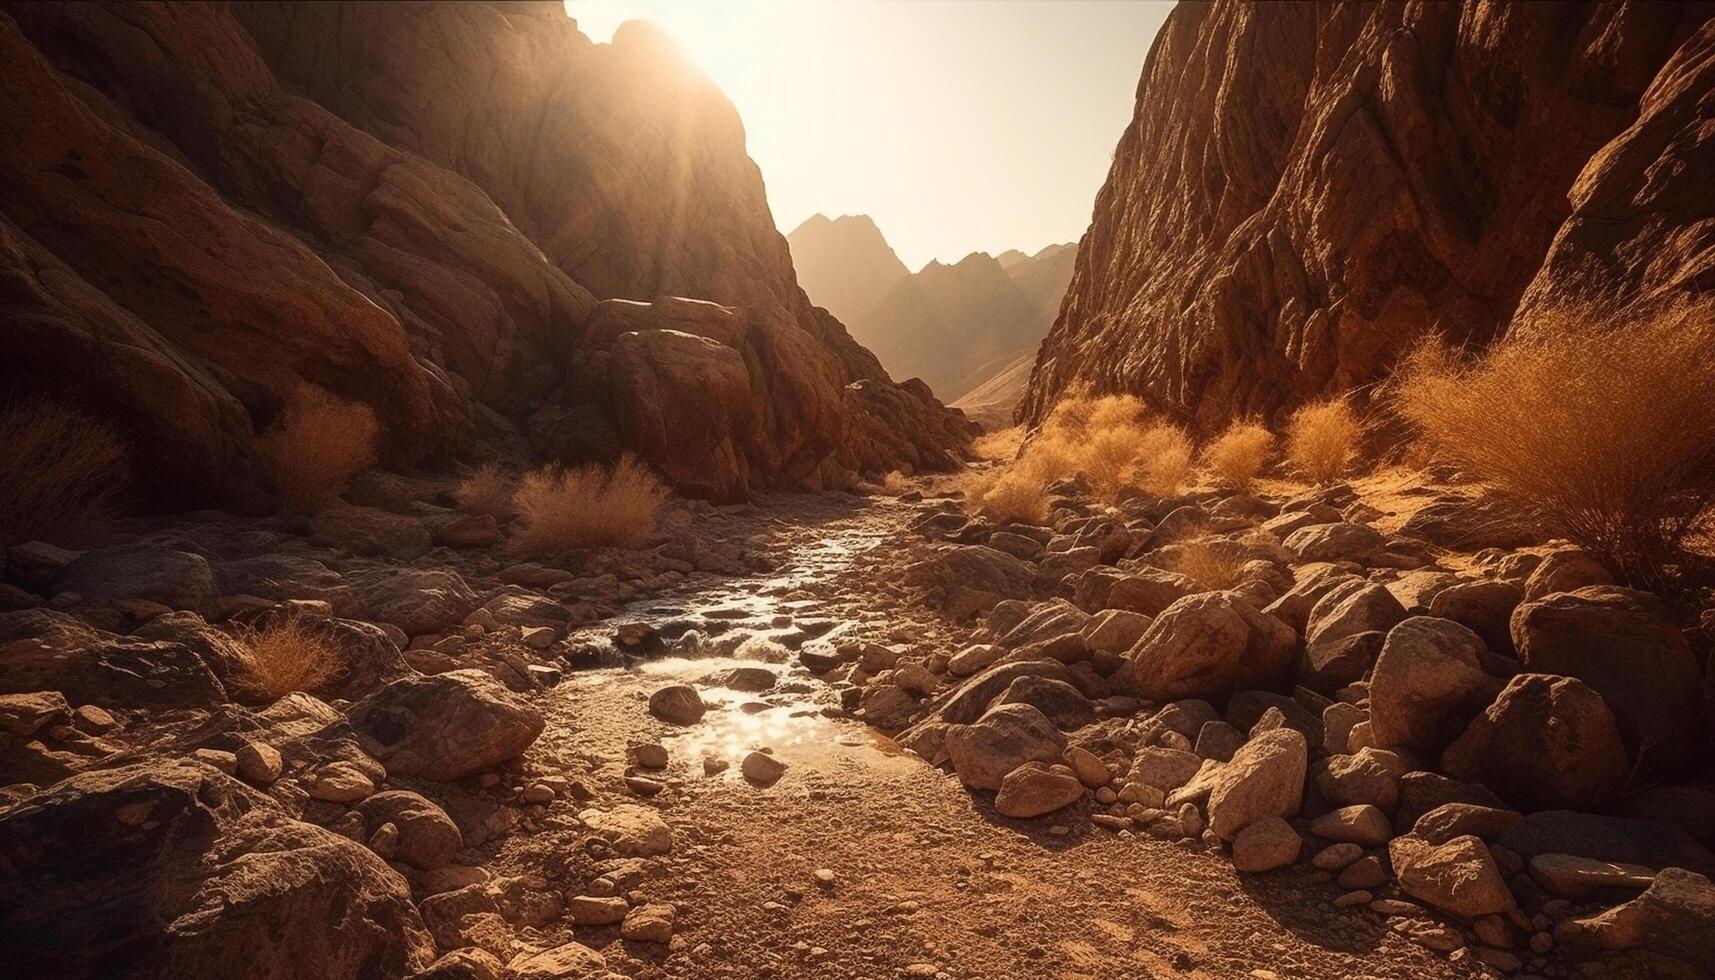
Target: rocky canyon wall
[1306,190]
[465,216]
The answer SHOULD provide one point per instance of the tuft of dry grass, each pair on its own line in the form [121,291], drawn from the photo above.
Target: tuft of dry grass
[485,490]
[587,506]
[1164,460]
[1602,433]
[61,472]
[893,484]
[316,446]
[1107,440]
[284,656]
[1322,440]
[1212,568]
[999,444]
[1240,453]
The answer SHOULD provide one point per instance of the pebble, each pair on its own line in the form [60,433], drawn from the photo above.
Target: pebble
[762,768]
[825,877]
[259,763]
[593,910]
[340,782]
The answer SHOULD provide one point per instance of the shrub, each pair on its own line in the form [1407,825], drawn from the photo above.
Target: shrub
[61,472]
[285,656]
[1604,435]
[1322,439]
[999,444]
[1237,455]
[1010,495]
[315,447]
[587,506]
[1164,460]
[1212,568]
[485,490]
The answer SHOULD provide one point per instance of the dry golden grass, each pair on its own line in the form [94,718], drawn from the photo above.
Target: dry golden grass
[315,447]
[1322,440]
[587,506]
[285,656]
[893,484]
[999,444]
[1212,568]
[1605,435]
[1237,455]
[1108,441]
[61,472]
[1164,460]
[485,490]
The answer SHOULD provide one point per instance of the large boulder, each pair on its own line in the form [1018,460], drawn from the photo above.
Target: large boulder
[1147,590]
[1004,738]
[1345,632]
[445,726]
[1037,788]
[1427,684]
[1623,644]
[1459,877]
[175,579]
[419,600]
[1607,838]
[43,649]
[171,869]
[1264,778]
[685,403]
[1339,541]
[1547,743]
[1210,646]
[1674,917]
[968,579]
[1485,607]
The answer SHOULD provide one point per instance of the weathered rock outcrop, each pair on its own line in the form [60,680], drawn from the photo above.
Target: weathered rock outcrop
[187,239]
[1307,190]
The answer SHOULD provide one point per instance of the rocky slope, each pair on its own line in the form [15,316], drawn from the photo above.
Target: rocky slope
[203,208]
[1305,191]
[844,263]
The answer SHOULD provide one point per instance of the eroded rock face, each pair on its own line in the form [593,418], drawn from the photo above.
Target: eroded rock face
[1306,191]
[171,869]
[207,208]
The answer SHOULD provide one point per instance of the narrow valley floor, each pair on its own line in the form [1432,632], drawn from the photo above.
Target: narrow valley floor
[926,879]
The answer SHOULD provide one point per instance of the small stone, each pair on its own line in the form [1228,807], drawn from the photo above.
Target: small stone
[1337,857]
[340,782]
[649,755]
[385,840]
[1267,844]
[93,719]
[825,877]
[538,792]
[651,923]
[590,910]
[1365,825]
[1393,906]
[644,786]
[1088,766]
[224,761]
[1352,899]
[677,703]
[260,763]
[539,637]
[1365,872]
[762,769]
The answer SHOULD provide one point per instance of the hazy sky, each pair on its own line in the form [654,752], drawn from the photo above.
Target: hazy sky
[958,125]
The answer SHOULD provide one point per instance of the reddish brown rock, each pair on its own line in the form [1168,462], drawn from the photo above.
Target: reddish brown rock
[1307,190]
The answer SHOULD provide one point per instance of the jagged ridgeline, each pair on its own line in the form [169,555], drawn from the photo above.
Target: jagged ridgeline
[205,209]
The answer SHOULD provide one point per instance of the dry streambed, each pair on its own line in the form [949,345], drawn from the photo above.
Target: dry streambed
[711,758]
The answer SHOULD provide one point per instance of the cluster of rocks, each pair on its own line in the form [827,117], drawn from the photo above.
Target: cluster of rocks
[1487,759]
[159,813]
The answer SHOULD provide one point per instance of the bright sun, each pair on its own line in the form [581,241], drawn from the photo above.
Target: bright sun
[730,40]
